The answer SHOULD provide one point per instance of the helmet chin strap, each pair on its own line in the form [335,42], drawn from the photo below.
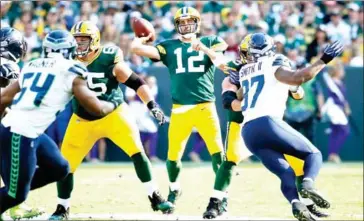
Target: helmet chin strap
[188,36]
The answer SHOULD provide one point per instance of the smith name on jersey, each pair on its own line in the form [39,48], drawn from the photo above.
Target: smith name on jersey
[100,78]
[46,88]
[192,72]
[264,95]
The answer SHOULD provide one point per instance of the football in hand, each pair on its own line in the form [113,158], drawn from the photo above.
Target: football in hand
[142,28]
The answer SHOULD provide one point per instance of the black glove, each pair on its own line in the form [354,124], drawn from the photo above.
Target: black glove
[157,112]
[114,97]
[331,51]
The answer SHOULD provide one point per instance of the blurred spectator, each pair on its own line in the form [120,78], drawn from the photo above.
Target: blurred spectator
[98,152]
[197,148]
[297,61]
[280,41]
[52,22]
[317,45]
[87,13]
[4,9]
[337,29]
[232,52]
[337,109]
[34,44]
[294,40]
[353,21]
[145,122]
[303,114]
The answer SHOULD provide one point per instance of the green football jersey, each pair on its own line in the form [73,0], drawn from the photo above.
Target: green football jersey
[234,116]
[192,72]
[100,78]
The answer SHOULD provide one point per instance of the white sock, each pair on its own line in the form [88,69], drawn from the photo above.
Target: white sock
[174,186]
[218,194]
[306,201]
[151,187]
[66,203]
[308,179]
[294,200]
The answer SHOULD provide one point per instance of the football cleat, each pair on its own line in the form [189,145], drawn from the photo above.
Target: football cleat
[224,205]
[159,203]
[308,191]
[174,195]
[61,213]
[315,211]
[23,211]
[214,209]
[301,212]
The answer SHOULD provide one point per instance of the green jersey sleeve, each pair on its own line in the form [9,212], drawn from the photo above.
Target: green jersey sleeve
[161,47]
[216,42]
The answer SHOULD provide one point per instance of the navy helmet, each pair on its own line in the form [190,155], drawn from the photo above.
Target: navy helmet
[59,41]
[260,45]
[12,44]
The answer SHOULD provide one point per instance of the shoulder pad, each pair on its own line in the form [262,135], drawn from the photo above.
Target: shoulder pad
[281,60]
[78,69]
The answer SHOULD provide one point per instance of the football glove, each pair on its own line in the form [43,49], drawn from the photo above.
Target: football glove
[331,51]
[157,112]
[114,97]
[9,71]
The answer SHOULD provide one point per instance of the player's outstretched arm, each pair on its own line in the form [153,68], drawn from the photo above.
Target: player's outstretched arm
[288,76]
[139,47]
[215,55]
[89,101]
[229,95]
[7,95]
[126,76]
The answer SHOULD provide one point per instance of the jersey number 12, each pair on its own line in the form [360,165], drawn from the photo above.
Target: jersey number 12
[190,59]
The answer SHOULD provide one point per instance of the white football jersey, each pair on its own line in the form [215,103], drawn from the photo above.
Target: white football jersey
[46,88]
[264,95]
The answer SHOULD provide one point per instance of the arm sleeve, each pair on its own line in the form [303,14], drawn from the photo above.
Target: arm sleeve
[161,47]
[216,42]
[281,61]
[234,77]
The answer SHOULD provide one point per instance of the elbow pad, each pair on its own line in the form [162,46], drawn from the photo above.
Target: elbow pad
[296,92]
[227,98]
[134,82]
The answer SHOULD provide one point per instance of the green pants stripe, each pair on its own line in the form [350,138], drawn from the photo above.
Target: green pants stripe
[15,162]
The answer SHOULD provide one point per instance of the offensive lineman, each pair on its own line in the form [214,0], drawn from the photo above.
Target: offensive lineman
[106,70]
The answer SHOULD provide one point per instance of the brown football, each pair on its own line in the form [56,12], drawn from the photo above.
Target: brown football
[142,28]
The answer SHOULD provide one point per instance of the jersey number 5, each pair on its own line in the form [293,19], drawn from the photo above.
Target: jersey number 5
[40,91]
[248,86]
[100,87]
[191,68]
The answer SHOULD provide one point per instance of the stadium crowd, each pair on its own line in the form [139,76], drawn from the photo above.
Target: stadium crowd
[301,29]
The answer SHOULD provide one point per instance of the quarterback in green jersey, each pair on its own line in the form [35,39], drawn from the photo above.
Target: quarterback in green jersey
[191,62]
[106,69]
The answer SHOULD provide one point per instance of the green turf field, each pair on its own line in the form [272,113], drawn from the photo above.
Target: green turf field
[109,190]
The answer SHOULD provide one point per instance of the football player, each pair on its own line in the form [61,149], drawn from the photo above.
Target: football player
[106,69]
[236,150]
[265,82]
[13,47]
[30,160]
[191,70]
